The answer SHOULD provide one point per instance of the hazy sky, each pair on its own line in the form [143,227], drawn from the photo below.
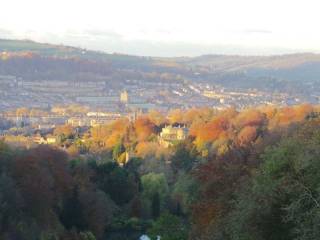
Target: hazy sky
[168,27]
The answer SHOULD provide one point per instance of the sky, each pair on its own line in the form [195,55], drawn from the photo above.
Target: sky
[168,27]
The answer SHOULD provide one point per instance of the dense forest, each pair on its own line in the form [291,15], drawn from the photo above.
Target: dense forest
[240,175]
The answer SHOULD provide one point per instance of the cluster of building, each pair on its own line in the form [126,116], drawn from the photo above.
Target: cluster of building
[93,119]
[142,95]
[242,99]
[16,92]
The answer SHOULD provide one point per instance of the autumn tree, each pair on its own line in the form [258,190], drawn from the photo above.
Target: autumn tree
[64,132]
[144,128]
[175,116]
[157,118]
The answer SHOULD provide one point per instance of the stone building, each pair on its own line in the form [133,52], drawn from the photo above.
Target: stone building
[171,135]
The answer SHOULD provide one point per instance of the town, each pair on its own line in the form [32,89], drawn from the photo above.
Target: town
[135,95]
[32,110]
[64,126]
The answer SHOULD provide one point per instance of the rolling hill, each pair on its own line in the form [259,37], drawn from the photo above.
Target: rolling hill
[32,60]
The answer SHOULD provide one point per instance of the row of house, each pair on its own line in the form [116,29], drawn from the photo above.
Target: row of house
[92,121]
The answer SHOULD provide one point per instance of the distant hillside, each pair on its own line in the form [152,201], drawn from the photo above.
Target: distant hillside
[236,63]
[32,60]
[43,49]
[215,62]
[61,51]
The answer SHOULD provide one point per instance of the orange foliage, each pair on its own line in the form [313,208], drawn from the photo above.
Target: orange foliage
[112,140]
[145,149]
[247,135]
[229,113]
[109,135]
[211,131]
[198,114]
[250,117]
[214,131]
[66,130]
[269,111]
[120,125]
[301,111]
[144,128]
[288,115]
[195,128]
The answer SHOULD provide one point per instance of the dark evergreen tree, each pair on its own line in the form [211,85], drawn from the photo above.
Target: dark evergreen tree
[72,213]
[155,205]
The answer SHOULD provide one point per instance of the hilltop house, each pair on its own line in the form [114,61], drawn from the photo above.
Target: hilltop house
[51,139]
[44,140]
[171,135]
[39,139]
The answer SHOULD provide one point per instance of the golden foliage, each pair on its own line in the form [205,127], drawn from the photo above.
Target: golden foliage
[66,130]
[157,118]
[109,135]
[175,116]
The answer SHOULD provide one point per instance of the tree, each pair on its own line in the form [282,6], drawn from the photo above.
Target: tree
[74,235]
[117,151]
[156,117]
[175,116]
[212,130]
[155,205]
[72,215]
[64,131]
[97,211]
[281,201]
[116,182]
[147,149]
[43,179]
[11,203]
[183,158]
[169,227]
[249,117]
[144,128]
[247,135]
[186,191]
[155,191]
